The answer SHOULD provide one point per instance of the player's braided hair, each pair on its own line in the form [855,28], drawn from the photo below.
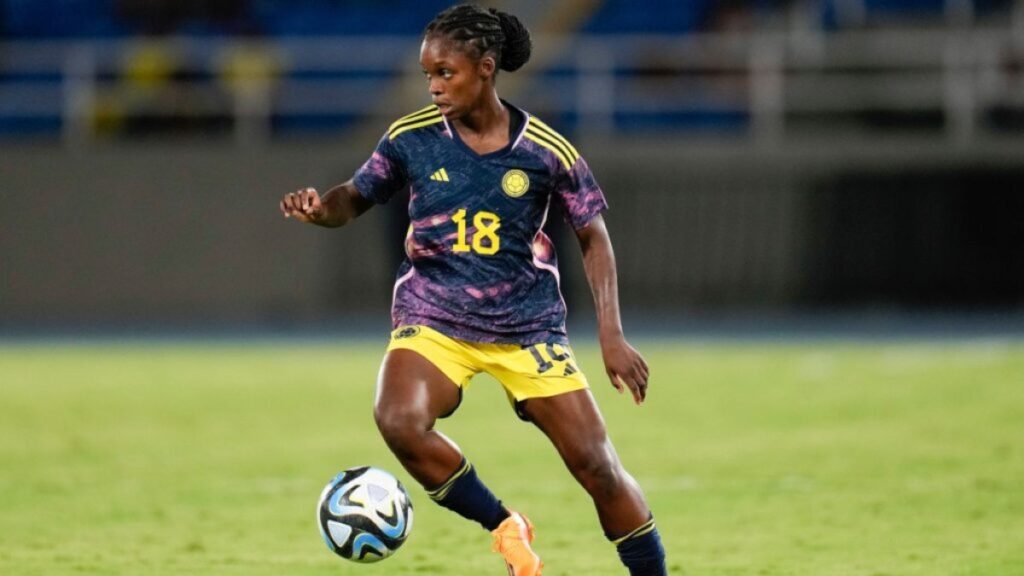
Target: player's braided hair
[481,31]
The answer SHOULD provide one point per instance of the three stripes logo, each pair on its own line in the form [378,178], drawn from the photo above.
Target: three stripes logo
[440,176]
[419,119]
[543,135]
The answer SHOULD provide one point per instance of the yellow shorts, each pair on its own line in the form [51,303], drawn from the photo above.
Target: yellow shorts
[534,371]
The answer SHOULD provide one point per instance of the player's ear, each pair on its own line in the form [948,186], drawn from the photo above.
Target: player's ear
[486,67]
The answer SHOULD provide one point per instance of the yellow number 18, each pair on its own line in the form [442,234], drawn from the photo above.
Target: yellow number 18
[486,240]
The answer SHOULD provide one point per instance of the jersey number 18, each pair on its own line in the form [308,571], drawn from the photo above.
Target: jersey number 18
[486,240]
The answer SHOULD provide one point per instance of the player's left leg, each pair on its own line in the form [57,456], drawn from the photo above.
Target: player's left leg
[574,425]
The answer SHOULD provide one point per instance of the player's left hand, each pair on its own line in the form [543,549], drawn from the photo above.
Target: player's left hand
[626,368]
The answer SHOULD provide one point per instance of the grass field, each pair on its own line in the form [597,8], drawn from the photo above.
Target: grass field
[789,459]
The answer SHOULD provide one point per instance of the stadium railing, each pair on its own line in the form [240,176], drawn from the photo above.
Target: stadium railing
[959,83]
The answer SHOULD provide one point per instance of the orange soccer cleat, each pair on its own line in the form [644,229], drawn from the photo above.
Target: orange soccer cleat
[512,540]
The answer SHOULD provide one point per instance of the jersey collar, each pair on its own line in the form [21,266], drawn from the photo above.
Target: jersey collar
[513,141]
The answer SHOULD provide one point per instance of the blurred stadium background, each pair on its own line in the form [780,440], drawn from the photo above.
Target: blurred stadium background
[855,160]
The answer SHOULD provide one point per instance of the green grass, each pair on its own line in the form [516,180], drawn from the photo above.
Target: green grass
[819,460]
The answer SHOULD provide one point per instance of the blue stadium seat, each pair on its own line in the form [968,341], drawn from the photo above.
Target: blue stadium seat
[59,19]
[659,16]
[908,9]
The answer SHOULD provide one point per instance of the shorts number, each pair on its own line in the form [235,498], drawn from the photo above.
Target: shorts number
[486,240]
[545,355]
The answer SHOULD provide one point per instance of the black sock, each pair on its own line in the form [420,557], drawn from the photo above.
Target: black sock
[641,551]
[467,496]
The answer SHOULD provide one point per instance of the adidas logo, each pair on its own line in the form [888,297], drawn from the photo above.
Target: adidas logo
[440,176]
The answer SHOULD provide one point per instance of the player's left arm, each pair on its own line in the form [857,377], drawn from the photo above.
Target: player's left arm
[624,365]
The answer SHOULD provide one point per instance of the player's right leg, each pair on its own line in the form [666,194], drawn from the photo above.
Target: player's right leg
[412,394]
[419,382]
[413,391]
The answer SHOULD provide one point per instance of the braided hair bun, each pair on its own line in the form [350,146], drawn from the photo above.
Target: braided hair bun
[482,31]
[517,46]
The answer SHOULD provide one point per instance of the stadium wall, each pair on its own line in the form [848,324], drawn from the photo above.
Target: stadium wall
[190,232]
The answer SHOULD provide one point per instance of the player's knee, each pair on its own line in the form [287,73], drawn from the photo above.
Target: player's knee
[599,472]
[400,426]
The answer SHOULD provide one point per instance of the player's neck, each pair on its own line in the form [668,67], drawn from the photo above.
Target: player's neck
[489,119]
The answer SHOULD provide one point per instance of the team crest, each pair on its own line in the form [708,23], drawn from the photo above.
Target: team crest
[405,332]
[515,183]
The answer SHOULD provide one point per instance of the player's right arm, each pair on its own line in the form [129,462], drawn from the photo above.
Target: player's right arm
[337,207]
[375,182]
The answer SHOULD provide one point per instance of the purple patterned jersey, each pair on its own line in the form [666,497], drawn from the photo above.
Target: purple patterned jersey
[478,267]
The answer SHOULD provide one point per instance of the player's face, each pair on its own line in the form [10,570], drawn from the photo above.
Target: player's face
[455,81]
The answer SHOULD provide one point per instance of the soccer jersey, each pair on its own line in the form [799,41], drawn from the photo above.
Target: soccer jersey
[478,267]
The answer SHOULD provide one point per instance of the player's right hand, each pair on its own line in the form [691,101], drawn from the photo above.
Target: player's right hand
[304,205]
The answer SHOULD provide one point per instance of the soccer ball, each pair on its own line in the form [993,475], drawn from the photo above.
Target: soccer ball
[364,514]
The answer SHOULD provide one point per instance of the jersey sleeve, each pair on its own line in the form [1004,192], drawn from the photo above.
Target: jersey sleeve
[383,174]
[580,195]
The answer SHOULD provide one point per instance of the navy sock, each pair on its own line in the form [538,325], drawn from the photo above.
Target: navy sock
[467,496]
[641,551]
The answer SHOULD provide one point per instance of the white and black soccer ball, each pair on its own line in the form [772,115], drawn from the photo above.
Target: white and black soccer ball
[364,514]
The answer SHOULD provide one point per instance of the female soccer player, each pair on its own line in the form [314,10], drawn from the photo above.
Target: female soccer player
[478,290]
